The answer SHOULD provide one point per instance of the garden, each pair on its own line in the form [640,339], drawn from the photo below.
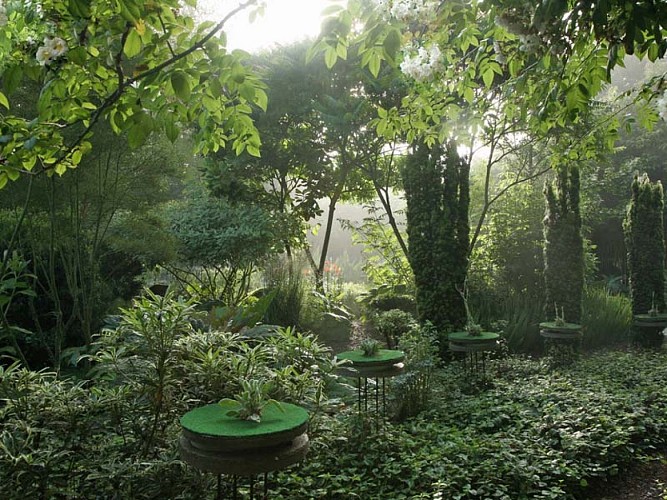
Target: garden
[420,256]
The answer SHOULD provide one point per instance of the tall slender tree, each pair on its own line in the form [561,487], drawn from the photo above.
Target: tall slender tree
[563,245]
[645,245]
[436,182]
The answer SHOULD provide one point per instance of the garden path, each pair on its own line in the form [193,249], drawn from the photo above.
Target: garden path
[647,481]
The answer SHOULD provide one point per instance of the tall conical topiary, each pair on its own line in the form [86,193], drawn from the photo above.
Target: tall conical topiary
[645,246]
[437,191]
[563,246]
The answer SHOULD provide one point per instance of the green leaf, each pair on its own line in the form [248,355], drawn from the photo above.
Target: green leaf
[133,44]
[78,55]
[330,57]
[488,76]
[374,64]
[341,51]
[76,156]
[228,404]
[30,143]
[142,126]
[3,100]
[181,85]
[469,94]
[12,78]
[247,91]
[172,130]
[261,99]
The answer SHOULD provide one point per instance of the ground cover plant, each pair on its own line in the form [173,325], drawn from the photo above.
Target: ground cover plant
[533,432]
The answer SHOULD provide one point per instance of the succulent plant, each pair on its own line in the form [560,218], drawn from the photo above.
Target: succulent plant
[251,401]
[473,329]
[370,347]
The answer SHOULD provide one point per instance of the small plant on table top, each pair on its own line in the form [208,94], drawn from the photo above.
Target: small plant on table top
[370,347]
[560,319]
[653,312]
[251,401]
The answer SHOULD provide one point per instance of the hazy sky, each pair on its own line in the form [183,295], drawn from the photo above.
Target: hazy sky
[284,21]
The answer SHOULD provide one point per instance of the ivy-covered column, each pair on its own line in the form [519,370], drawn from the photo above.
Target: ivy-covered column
[563,246]
[437,191]
[645,246]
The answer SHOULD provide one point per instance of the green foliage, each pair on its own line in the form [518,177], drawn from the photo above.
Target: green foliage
[645,245]
[563,245]
[142,67]
[393,324]
[385,262]
[89,236]
[243,317]
[608,187]
[413,388]
[285,280]
[140,354]
[508,256]
[116,433]
[437,195]
[15,282]
[212,232]
[387,297]
[219,246]
[607,318]
[521,330]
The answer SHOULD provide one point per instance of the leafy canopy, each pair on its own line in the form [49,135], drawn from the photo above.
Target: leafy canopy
[142,66]
[539,63]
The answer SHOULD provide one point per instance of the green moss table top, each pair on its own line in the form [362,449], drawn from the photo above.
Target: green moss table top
[383,357]
[565,327]
[647,318]
[466,337]
[212,420]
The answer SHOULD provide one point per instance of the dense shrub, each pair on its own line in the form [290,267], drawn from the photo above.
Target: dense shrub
[393,324]
[519,317]
[115,435]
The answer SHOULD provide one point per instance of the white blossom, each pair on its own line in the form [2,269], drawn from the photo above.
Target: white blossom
[52,49]
[58,45]
[44,55]
[409,10]
[529,43]
[661,106]
[422,65]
